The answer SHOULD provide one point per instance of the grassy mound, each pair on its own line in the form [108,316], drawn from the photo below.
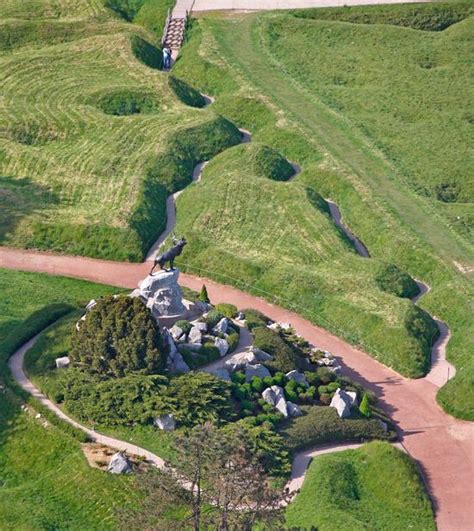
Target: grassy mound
[367,83]
[282,241]
[393,280]
[348,490]
[127,102]
[432,17]
[187,94]
[106,179]
[282,249]
[267,162]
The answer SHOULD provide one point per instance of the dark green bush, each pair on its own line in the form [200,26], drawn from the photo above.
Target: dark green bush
[203,296]
[255,318]
[393,280]
[119,336]
[238,377]
[184,325]
[233,340]
[364,407]
[210,352]
[266,445]
[320,425]
[285,359]
[213,317]
[228,310]
[133,399]
[200,397]
[257,384]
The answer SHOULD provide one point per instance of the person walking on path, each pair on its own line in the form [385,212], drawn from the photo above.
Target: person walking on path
[166,58]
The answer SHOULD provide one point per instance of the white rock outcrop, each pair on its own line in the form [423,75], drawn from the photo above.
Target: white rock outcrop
[343,401]
[119,464]
[298,377]
[222,326]
[195,335]
[258,370]
[162,293]
[275,396]
[62,363]
[222,345]
[165,422]
[175,361]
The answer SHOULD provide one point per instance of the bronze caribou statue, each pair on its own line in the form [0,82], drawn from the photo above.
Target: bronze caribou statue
[169,255]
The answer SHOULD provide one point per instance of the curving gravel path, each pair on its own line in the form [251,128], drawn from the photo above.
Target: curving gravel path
[442,445]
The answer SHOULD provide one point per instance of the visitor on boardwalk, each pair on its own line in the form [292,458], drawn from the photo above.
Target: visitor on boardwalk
[166,58]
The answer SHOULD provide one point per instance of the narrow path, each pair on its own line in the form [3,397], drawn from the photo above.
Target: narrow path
[442,445]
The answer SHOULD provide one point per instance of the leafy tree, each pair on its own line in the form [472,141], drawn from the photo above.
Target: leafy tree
[220,483]
[364,407]
[203,296]
[118,336]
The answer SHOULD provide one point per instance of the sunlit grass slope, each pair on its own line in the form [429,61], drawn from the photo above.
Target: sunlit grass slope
[230,58]
[373,487]
[92,137]
[45,480]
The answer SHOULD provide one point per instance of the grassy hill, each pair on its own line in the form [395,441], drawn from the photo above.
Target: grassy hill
[94,138]
[233,58]
[348,490]
[45,480]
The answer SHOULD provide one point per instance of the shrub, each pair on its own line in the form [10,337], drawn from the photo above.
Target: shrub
[255,318]
[118,336]
[266,445]
[210,352]
[364,407]
[200,397]
[291,391]
[233,341]
[422,327]
[320,425]
[309,395]
[203,296]
[238,377]
[284,358]
[184,325]
[324,375]
[333,387]
[133,399]
[392,280]
[227,310]
[325,398]
[213,317]
[257,384]
[279,379]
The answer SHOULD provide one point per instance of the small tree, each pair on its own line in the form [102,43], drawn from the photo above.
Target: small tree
[203,296]
[364,407]
[219,481]
[118,336]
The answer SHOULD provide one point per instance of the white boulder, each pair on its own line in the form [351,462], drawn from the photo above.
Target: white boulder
[165,422]
[241,360]
[195,335]
[258,370]
[91,304]
[202,327]
[175,361]
[119,464]
[176,332]
[222,345]
[342,401]
[275,396]
[298,377]
[294,410]
[62,363]
[222,326]
[261,355]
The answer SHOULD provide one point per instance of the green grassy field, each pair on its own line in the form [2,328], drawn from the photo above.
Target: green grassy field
[94,138]
[46,482]
[348,490]
[233,240]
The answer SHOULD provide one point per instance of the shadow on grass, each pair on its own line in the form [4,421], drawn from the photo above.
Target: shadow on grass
[20,198]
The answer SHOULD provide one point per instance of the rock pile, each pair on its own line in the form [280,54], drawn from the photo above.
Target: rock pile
[162,293]
[275,396]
